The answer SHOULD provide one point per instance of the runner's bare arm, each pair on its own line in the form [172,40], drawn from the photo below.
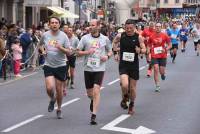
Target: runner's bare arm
[142,48]
[84,52]
[116,42]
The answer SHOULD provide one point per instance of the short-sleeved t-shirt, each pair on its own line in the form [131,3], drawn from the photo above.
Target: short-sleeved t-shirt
[174,33]
[196,34]
[73,42]
[54,58]
[101,45]
[157,44]
[146,34]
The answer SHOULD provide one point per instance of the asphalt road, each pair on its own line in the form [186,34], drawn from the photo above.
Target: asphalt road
[175,110]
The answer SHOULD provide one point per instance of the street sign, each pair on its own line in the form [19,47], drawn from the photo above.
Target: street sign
[112,127]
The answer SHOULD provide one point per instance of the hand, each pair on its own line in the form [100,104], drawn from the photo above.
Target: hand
[104,58]
[57,46]
[116,57]
[137,49]
[91,51]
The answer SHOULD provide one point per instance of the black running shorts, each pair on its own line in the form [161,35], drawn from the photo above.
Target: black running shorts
[92,78]
[196,43]
[59,72]
[71,61]
[174,46]
[134,74]
[159,61]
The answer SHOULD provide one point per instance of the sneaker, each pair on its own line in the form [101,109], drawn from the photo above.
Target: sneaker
[182,50]
[171,54]
[18,76]
[130,108]
[93,120]
[123,103]
[173,61]
[157,89]
[51,105]
[59,114]
[91,106]
[163,77]
[71,86]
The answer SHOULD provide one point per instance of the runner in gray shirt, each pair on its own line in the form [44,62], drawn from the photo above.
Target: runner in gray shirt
[71,63]
[55,44]
[97,49]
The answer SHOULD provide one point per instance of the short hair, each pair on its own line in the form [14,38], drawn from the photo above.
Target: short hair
[53,17]
[130,21]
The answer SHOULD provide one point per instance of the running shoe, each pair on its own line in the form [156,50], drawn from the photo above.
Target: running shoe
[182,50]
[173,61]
[163,77]
[71,86]
[171,54]
[91,106]
[93,120]
[157,89]
[51,105]
[59,114]
[130,108]
[124,102]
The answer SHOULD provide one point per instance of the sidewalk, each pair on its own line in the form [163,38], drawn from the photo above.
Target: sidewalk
[24,72]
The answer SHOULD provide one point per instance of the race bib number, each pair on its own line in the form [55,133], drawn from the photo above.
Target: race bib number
[158,50]
[174,36]
[93,62]
[128,56]
[182,33]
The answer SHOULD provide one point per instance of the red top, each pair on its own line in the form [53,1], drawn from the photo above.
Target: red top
[146,34]
[157,43]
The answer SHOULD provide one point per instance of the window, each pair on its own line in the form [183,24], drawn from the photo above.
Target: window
[165,1]
[176,1]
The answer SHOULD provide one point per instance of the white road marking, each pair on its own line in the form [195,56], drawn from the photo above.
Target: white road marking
[112,127]
[69,102]
[112,82]
[10,81]
[102,88]
[35,118]
[22,123]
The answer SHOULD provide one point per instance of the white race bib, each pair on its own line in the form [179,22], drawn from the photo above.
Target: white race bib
[93,62]
[128,56]
[182,33]
[158,50]
[174,36]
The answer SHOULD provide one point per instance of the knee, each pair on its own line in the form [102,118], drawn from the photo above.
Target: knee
[124,85]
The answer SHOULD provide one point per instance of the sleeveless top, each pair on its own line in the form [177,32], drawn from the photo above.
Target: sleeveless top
[128,56]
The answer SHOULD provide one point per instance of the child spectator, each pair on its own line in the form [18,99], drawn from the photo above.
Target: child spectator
[17,56]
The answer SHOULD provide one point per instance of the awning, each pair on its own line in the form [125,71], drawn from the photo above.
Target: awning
[61,12]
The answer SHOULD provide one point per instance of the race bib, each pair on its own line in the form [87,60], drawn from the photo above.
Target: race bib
[93,62]
[182,33]
[174,36]
[158,50]
[128,56]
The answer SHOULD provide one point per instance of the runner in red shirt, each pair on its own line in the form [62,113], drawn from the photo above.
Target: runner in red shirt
[159,44]
[146,34]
